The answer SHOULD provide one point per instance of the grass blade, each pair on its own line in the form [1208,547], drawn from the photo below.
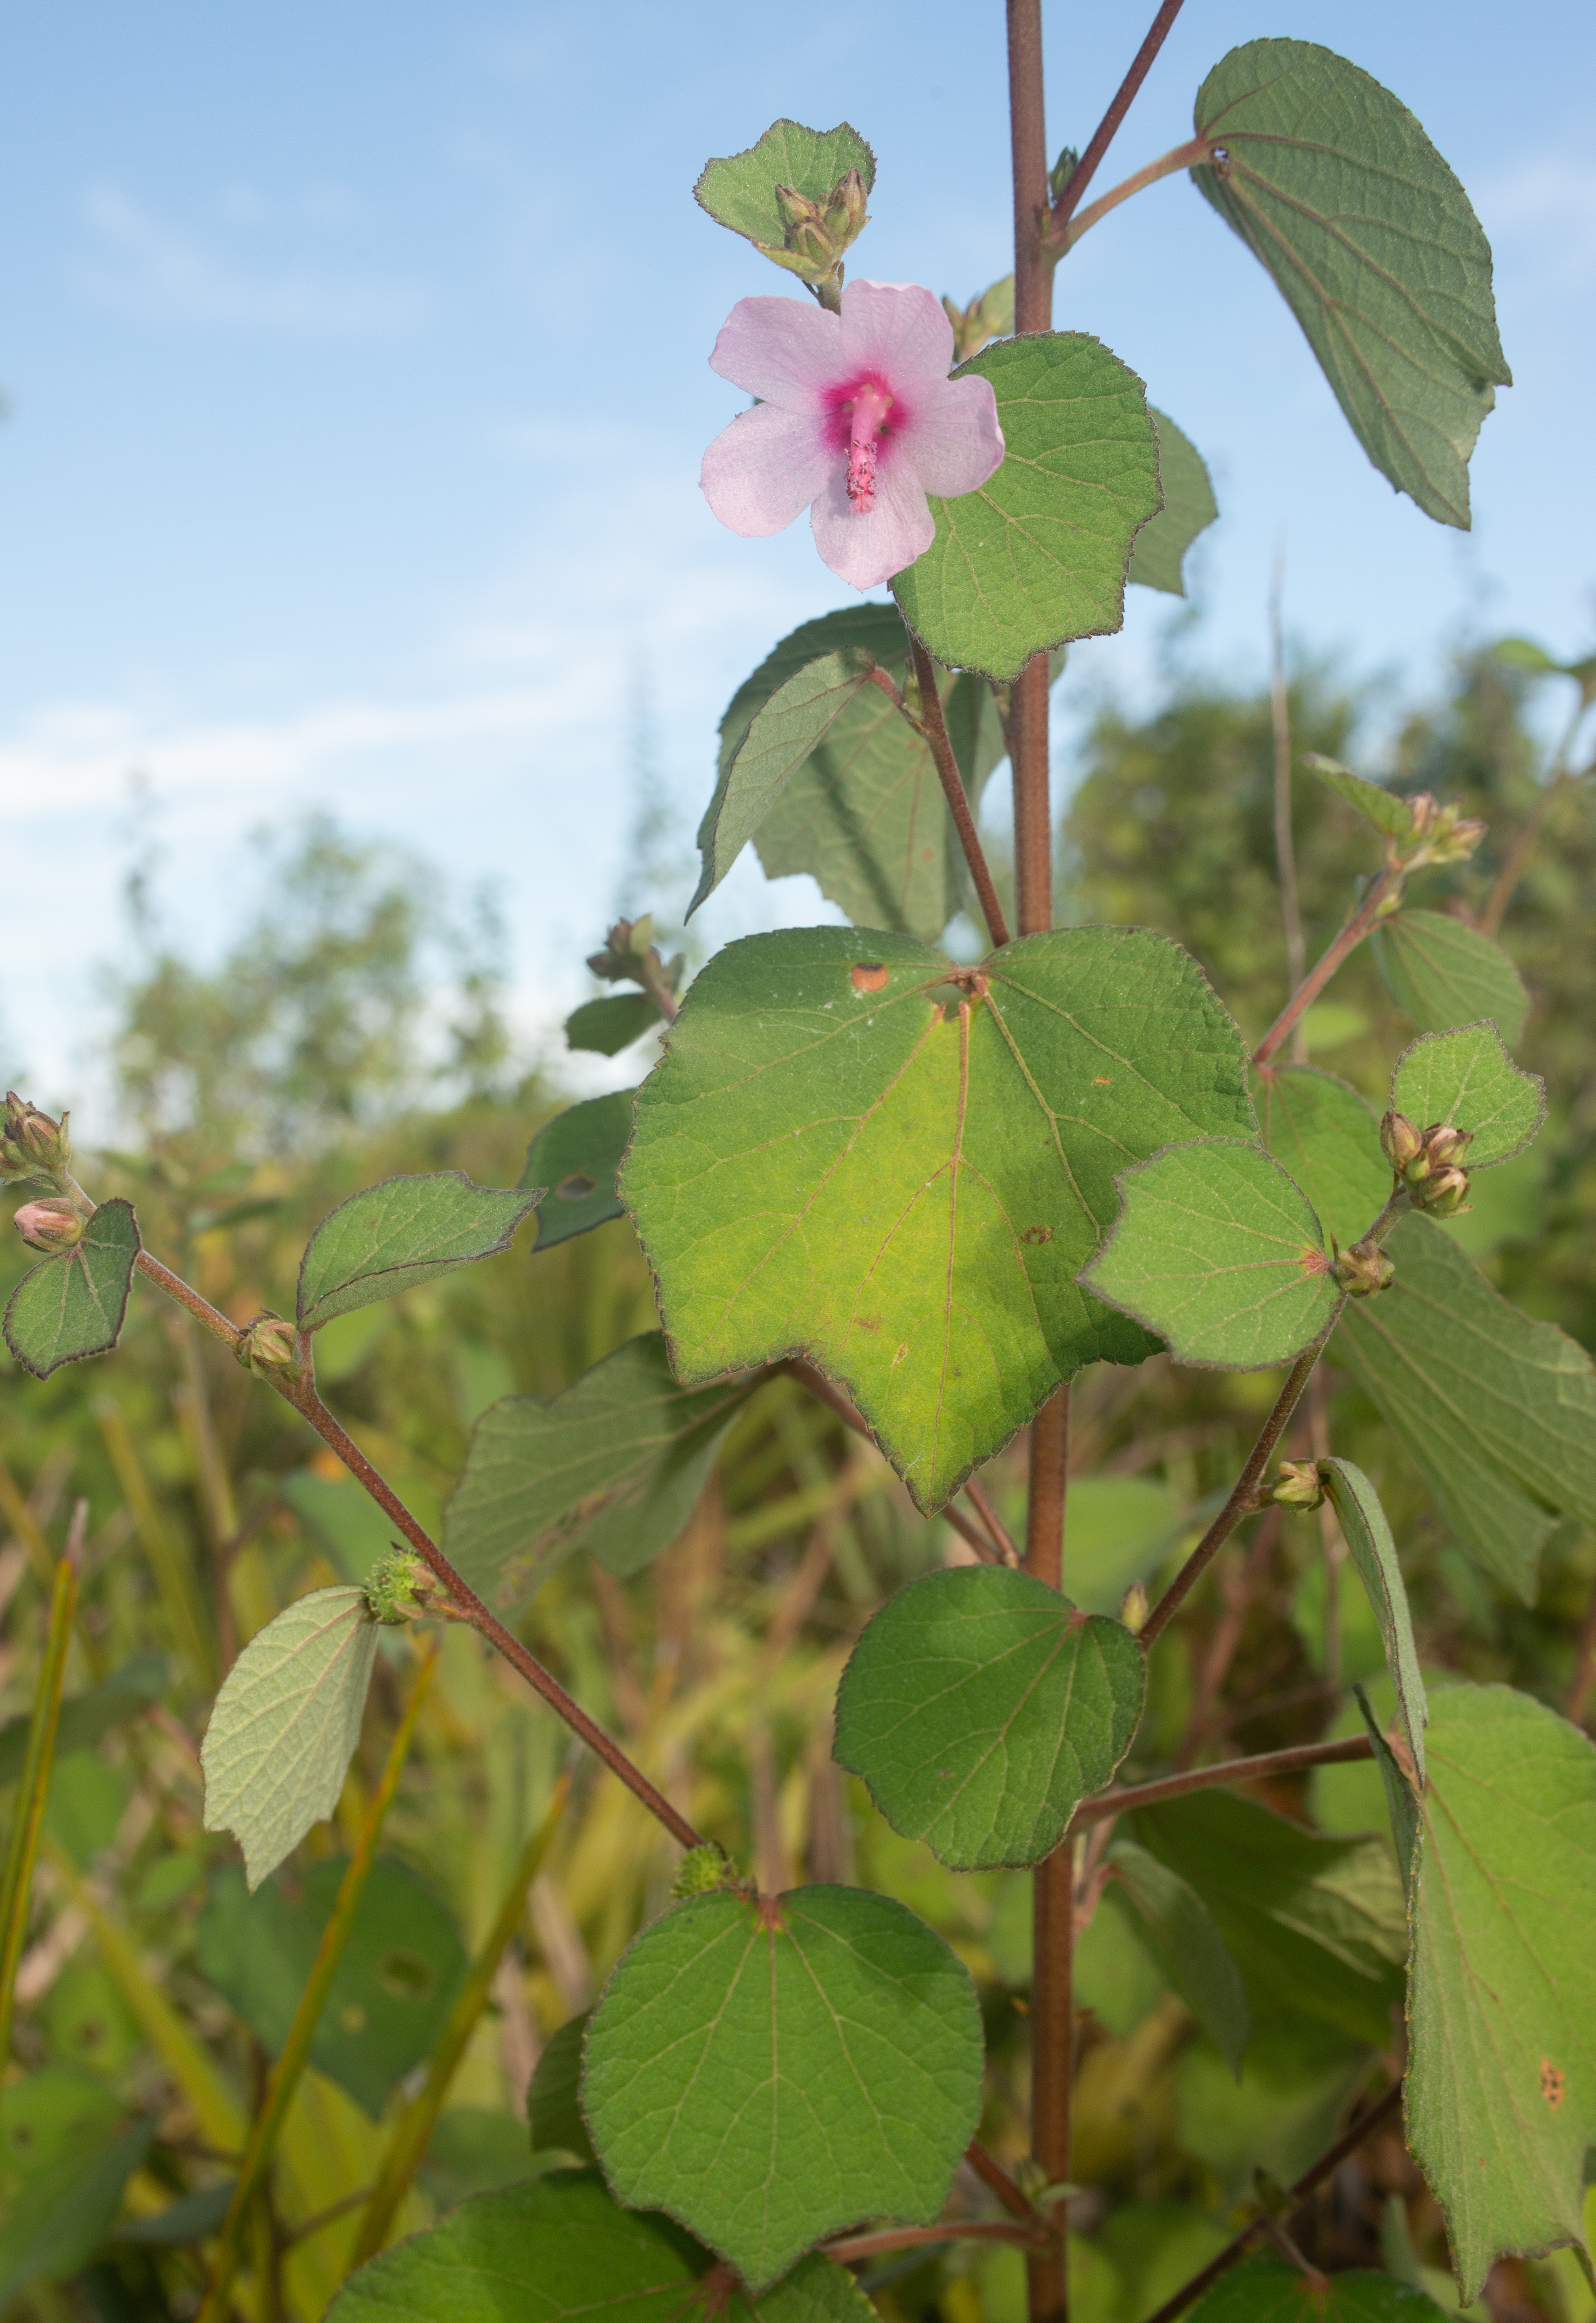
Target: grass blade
[22,1849]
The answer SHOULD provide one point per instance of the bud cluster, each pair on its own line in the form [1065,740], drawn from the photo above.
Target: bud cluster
[630,956]
[402,1587]
[817,233]
[1429,1162]
[1444,833]
[702,1871]
[269,1347]
[33,1145]
[1362,1269]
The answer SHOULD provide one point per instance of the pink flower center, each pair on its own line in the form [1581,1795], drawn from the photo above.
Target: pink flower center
[863,411]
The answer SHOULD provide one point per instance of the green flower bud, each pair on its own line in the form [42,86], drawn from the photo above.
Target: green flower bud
[33,1145]
[1296,1485]
[49,1226]
[1444,1193]
[1133,1607]
[1443,1145]
[270,1348]
[703,1870]
[1361,1270]
[1400,1142]
[845,215]
[400,1587]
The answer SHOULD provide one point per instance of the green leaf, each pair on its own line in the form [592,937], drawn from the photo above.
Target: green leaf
[576,1157]
[66,2152]
[981,1708]
[403,1231]
[1334,188]
[1357,1507]
[1313,1923]
[1496,1411]
[605,1027]
[1216,1250]
[1501,2070]
[1265,2291]
[285,1725]
[1327,1137]
[832,1161]
[558,2249]
[1036,555]
[85,1717]
[615,1466]
[1442,973]
[817,2055]
[72,1307]
[553,2114]
[739,191]
[1390,814]
[1468,1078]
[1179,1929]
[783,733]
[474,2151]
[1121,1528]
[401,1968]
[1402,1804]
[863,813]
[1189,508]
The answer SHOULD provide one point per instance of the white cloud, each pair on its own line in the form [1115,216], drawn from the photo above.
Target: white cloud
[144,268]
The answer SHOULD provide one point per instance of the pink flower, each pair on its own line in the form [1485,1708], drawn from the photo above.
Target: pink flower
[858,421]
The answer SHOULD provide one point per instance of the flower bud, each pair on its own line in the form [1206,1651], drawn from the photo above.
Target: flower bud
[1296,1485]
[1423,807]
[49,1226]
[1061,172]
[1443,1193]
[1444,1144]
[1400,1142]
[702,1871]
[33,1145]
[1133,1607]
[1361,1270]
[845,215]
[400,1587]
[270,1348]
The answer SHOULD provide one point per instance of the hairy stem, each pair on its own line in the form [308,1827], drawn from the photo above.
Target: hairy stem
[1243,1500]
[1327,2164]
[955,2230]
[1028,147]
[935,726]
[1179,157]
[1285,852]
[1086,169]
[1259,1769]
[994,2175]
[1354,928]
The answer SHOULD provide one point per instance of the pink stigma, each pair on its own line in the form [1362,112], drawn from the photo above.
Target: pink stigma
[867,422]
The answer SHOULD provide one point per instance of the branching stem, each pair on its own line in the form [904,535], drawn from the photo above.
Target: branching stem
[1125,96]
[935,728]
[1259,1769]
[1356,926]
[1179,157]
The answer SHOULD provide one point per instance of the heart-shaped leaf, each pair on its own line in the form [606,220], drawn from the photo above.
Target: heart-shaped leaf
[1375,1553]
[1188,508]
[897,1168]
[1467,1079]
[406,1230]
[1334,186]
[1501,2011]
[1328,1137]
[816,2056]
[1442,973]
[73,1306]
[576,1157]
[1216,1250]
[285,1725]
[1036,555]
[981,1708]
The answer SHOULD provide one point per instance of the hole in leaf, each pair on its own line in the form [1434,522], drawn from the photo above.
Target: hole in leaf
[577,1187]
[406,1975]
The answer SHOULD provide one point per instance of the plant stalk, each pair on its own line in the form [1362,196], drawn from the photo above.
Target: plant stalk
[1354,928]
[1125,96]
[935,728]
[1259,1769]
[22,1850]
[289,2068]
[1179,157]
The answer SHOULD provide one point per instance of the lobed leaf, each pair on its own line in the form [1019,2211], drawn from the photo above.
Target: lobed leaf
[68,1308]
[1334,186]
[1181,1933]
[981,1708]
[816,2056]
[739,191]
[1442,973]
[576,1157]
[1375,1553]
[285,1725]
[1498,1412]
[1189,508]
[848,1156]
[1467,1079]
[604,1027]
[1216,1250]
[1036,555]
[615,1466]
[1501,2072]
[1265,2291]
[406,1230]
[1328,1137]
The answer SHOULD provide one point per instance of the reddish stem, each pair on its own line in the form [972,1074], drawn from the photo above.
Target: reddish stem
[935,728]
[957,2230]
[993,2174]
[1229,1770]
[1085,170]
[1360,923]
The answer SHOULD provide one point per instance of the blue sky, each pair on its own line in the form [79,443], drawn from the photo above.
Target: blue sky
[355,360]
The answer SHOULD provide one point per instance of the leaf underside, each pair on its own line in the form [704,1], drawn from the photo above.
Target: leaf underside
[1375,1553]
[1442,974]
[842,1156]
[1334,186]
[73,1307]
[1189,508]
[407,1231]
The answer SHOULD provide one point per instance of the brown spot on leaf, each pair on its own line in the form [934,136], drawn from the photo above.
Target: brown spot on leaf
[867,976]
[1101,1080]
[867,1322]
[1554,2083]
[1037,1234]
[577,1187]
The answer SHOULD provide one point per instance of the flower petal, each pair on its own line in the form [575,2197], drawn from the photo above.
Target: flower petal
[868,550]
[898,328]
[952,438]
[766,467]
[788,351]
